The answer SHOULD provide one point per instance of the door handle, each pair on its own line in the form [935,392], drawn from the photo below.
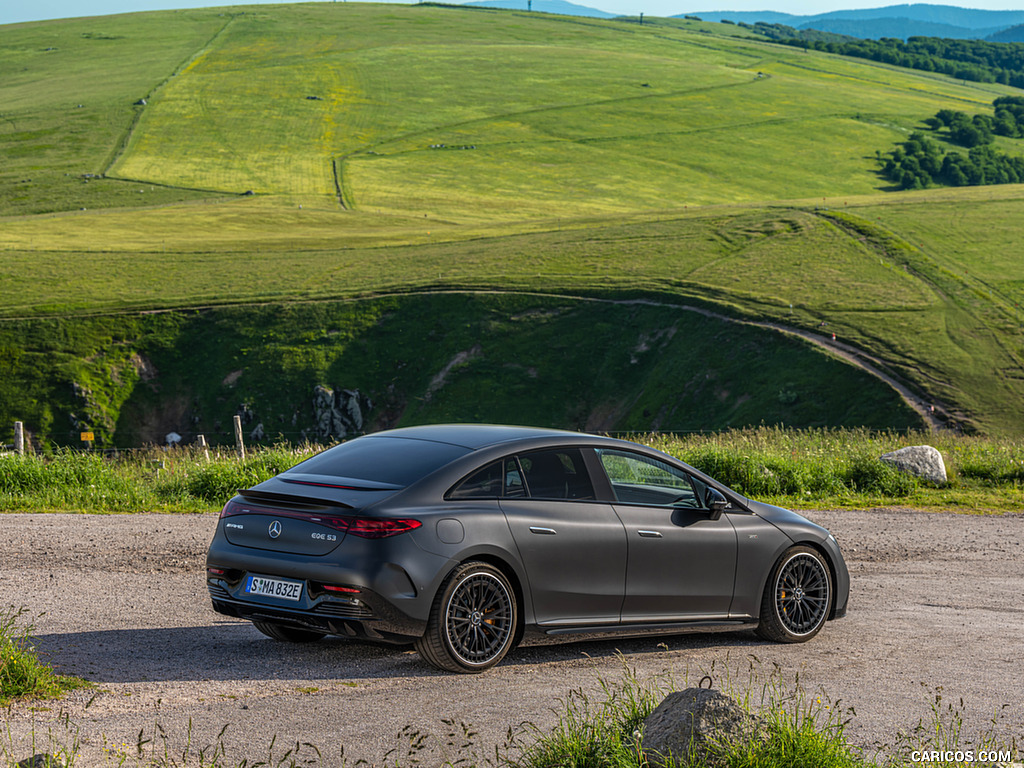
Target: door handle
[542,531]
[650,534]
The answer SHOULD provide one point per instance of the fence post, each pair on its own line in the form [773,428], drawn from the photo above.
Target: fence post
[201,442]
[19,438]
[239,445]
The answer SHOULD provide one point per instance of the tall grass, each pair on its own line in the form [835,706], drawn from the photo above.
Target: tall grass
[816,468]
[807,468]
[176,480]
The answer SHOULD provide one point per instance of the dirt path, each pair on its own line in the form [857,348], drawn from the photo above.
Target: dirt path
[935,602]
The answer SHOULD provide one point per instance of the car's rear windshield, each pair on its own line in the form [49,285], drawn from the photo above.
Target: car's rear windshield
[394,460]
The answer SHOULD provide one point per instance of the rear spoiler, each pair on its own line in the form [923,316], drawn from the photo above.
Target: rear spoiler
[283,498]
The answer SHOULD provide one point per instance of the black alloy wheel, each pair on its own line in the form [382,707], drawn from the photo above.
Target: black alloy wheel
[797,598]
[472,622]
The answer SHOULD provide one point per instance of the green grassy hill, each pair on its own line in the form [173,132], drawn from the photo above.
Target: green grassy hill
[293,165]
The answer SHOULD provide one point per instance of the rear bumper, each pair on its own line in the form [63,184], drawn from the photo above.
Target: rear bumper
[368,618]
[386,587]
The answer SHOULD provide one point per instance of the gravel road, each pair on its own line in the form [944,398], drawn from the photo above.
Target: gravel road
[121,600]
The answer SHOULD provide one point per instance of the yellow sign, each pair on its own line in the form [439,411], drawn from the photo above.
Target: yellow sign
[88,437]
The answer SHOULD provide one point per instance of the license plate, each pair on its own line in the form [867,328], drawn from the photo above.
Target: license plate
[286,590]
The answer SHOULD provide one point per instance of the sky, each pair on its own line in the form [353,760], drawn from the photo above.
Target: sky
[12,11]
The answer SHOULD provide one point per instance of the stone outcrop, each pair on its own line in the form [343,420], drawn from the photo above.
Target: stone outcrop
[696,723]
[921,461]
[340,413]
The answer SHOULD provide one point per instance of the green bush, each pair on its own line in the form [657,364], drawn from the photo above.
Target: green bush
[866,474]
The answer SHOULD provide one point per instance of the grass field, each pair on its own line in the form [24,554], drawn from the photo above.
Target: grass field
[394,149]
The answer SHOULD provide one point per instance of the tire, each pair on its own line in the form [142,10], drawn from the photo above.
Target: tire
[797,598]
[288,634]
[472,622]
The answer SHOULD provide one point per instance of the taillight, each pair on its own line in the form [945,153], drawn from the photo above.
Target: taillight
[235,508]
[380,527]
[364,527]
[369,527]
[345,590]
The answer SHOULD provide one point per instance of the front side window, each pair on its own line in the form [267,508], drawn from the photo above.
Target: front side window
[639,479]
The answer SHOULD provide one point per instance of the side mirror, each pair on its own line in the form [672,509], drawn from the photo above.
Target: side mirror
[715,502]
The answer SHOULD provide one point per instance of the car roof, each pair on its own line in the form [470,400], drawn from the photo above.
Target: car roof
[474,436]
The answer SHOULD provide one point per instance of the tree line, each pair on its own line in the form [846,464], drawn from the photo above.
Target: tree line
[922,162]
[974,60]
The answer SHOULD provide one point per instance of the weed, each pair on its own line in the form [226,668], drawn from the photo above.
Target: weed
[22,674]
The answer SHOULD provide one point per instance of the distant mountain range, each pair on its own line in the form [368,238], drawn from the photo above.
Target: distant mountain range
[545,6]
[903,21]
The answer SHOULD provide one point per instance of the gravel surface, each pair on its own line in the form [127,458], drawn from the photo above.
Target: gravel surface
[121,600]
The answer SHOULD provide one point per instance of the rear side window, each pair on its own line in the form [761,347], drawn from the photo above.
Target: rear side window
[394,460]
[483,484]
[556,474]
[549,474]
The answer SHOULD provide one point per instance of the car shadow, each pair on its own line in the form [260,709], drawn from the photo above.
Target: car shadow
[235,650]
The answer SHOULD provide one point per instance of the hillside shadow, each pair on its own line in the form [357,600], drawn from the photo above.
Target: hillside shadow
[231,650]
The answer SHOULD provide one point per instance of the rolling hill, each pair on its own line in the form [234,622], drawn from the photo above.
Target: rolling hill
[483,215]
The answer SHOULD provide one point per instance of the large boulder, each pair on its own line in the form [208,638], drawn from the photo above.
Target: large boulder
[697,723]
[920,461]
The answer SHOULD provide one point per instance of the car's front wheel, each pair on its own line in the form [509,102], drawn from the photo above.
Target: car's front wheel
[797,598]
[288,634]
[472,622]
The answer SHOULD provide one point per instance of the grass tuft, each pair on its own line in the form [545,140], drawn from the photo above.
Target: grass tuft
[22,674]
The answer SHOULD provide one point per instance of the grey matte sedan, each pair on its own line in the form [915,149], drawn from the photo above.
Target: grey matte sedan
[464,538]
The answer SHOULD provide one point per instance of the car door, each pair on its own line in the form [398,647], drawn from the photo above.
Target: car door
[681,562]
[572,546]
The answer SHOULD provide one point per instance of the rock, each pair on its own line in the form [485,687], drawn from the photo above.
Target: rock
[172,438]
[337,414]
[42,760]
[257,434]
[919,460]
[697,722]
[246,412]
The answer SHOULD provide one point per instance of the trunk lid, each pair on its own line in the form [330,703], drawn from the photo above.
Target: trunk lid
[281,525]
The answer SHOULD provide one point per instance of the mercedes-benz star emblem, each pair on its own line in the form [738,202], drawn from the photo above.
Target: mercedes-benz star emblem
[275,529]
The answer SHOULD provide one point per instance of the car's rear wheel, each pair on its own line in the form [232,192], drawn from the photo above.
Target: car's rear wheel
[472,622]
[797,597]
[288,634]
